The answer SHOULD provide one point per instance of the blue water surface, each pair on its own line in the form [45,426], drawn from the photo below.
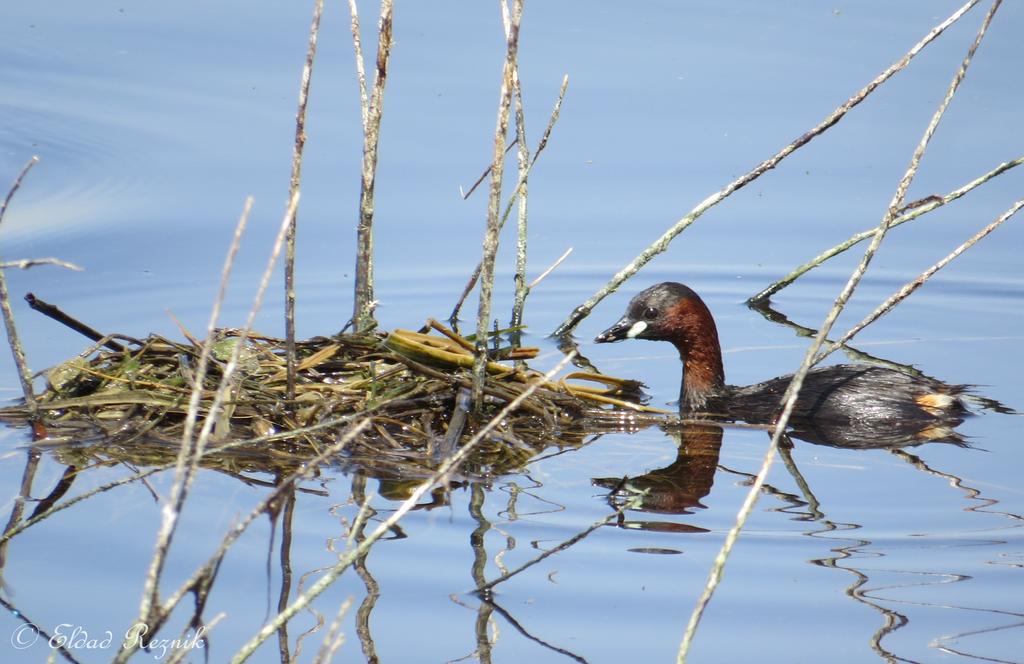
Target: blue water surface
[154,122]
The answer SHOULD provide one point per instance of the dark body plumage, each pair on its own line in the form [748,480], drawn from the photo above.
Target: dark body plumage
[854,405]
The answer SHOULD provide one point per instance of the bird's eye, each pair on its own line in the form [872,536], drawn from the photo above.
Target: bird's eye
[650,313]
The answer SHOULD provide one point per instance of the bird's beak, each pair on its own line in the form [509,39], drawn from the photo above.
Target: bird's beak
[624,328]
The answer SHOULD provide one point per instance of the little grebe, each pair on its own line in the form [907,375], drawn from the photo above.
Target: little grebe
[855,394]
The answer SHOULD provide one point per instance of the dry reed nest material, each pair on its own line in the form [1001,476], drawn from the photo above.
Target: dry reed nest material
[130,405]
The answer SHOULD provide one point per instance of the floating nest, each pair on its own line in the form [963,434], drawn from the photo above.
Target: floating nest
[127,402]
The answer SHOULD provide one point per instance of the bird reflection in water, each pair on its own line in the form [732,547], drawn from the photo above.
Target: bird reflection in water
[679,488]
[675,489]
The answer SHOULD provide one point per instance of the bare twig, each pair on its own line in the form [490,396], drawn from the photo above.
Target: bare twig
[220,396]
[26,263]
[24,373]
[910,215]
[33,520]
[521,227]
[439,477]
[364,304]
[194,447]
[357,44]
[190,451]
[487,171]
[210,567]
[334,638]
[512,199]
[522,290]
[793,390]
[56,314]
[16,185]
[454,318]
[912,286]
[524,173]
[552,268]
[490,245]
[293,187]
[524,170]
[178,653]
[661,244]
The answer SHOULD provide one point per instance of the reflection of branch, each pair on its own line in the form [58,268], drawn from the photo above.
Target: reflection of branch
[357,534]
[767,489]
[892,619]
[511,515]
[67,478]
[957,482]
[285,559]
[770,314]
[512,512]
[192,446]
[898,620]
[334,638]
[561,547]
[31,464]
[36,518]
[793,391]
[938,644]
[141,476]
[440,475]
[812,504]
[489,601]
[476,542]
[857,590]
[203,576]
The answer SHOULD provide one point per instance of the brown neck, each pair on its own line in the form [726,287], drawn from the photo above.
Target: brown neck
[697,342]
